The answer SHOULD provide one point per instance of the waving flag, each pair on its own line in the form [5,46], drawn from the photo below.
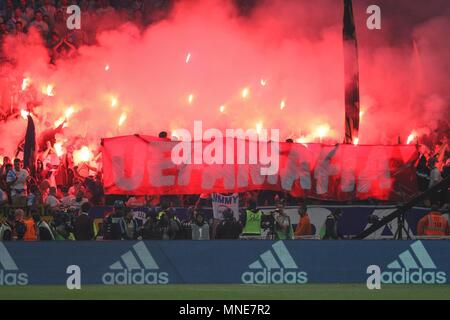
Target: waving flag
[351,75]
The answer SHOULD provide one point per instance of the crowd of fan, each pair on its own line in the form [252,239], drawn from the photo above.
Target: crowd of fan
[49,18]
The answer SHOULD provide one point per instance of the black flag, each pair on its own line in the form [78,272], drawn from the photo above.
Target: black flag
[351,75]
[29,151]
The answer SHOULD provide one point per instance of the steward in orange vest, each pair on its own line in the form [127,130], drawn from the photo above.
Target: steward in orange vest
[433,224]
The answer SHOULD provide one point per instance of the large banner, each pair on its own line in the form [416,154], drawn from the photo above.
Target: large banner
[141,165]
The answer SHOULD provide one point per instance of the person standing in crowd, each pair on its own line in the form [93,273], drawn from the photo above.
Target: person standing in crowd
[7,228]
[111,227]
[433,224]
[283,226]
[44,231]
[435,178]
[17,180]
[228,228]
[129,226]
[332,225]
[67,198]
[19,227]
[30,228]
[200,228]
[422,173]
[3,184]
[3,197]
[6,161]
[251,219]
[170,228]
[52,201]
[34,197]
[84,225]
[78,201]
[304,227]
[150,230]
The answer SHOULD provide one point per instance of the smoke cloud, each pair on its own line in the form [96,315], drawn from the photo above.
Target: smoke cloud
[195,64]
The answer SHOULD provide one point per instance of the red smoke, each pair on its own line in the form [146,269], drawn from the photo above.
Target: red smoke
[195,64]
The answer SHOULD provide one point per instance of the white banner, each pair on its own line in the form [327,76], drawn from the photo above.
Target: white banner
[221,202]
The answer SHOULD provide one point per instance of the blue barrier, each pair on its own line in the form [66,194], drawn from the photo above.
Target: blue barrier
[161,262]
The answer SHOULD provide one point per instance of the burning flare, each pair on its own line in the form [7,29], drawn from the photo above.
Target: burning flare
[411,137]
[245,92]
[25,83]
[82,155]
[122,119]
[48,90]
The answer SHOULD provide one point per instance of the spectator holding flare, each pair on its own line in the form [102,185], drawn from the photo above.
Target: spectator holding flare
[304,225]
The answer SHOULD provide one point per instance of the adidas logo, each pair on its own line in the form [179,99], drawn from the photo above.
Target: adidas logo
[9,274]
[413,266]
[133,266]
[267,268]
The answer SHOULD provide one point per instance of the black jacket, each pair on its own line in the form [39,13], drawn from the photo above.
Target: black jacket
[83,227]
[228,229]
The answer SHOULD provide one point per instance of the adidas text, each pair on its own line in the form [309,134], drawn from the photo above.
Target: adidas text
[135,277]
[13,278]
[276,277]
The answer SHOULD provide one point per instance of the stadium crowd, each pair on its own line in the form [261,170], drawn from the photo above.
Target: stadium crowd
[65,194]
[49,18]
[59,189]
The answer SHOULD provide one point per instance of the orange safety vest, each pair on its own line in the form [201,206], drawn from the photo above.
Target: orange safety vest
[436,226]
[30,233]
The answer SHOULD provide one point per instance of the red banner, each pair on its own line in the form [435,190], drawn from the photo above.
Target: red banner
[141,165]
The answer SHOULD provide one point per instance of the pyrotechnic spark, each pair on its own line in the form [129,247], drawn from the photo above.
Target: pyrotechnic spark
[245,92]
[107,67]
[361,113]
[322,131]
[222,108]
[58,149]
[263,82]
[259,127]
[355,141]
[188,57]
[122,119]
[69,112]
[48,90]
[190,98]
[58,122]
[24,114]
[25,83]
[82,155]
[114,102]
[282,104]
[411,137]
[302,140]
